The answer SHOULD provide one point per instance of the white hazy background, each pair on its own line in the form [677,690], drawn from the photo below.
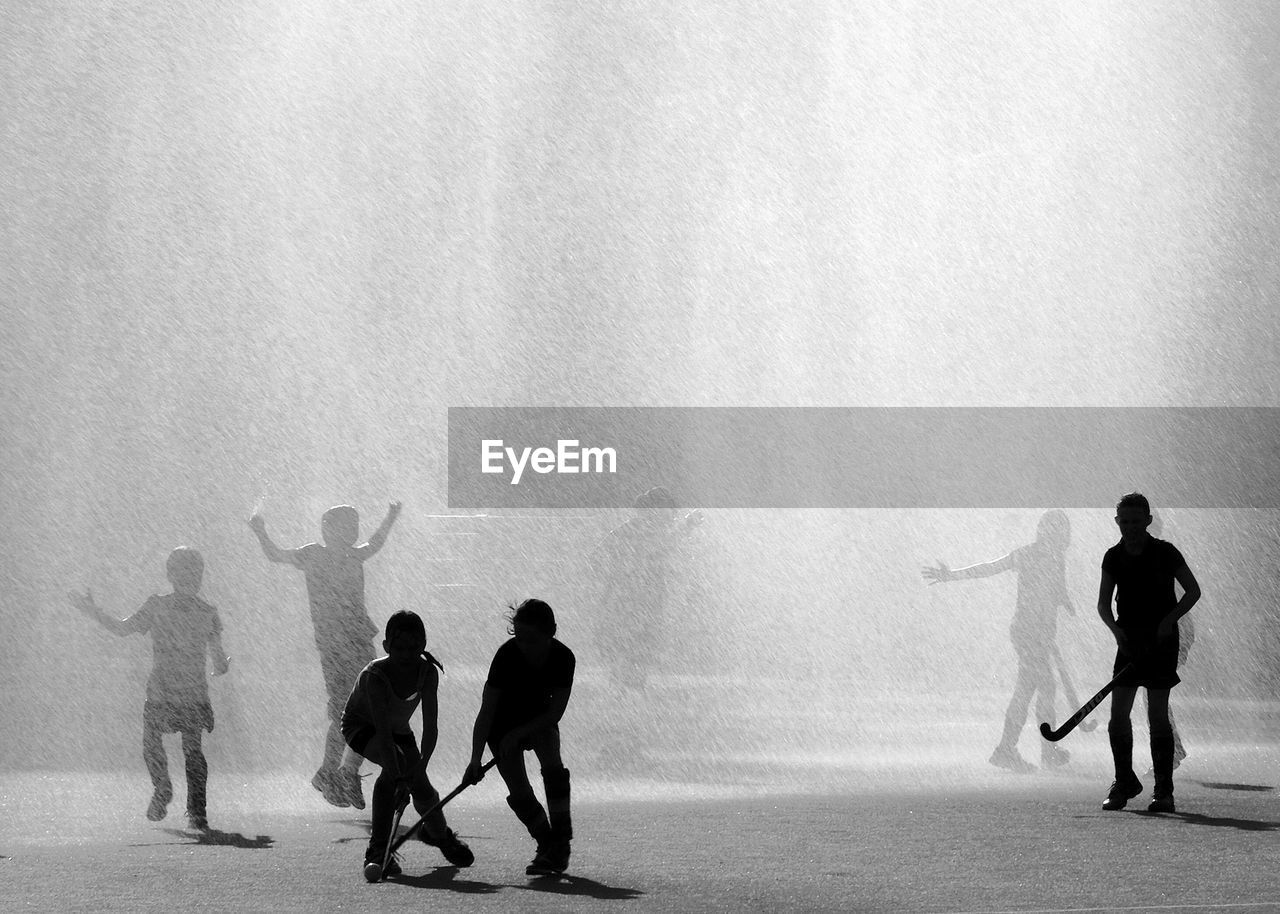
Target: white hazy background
[251,251]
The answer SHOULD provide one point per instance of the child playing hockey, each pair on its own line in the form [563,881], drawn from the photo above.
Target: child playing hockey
[375,724]
[1140,571]
[344,632]
[182,628]
[524,697]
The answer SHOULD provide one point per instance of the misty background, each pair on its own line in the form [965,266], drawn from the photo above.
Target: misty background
[252,251]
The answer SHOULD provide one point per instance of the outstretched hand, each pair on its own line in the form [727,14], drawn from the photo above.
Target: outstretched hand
[936,575]
[257,524]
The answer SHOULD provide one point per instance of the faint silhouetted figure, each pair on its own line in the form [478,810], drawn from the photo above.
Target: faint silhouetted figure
[1040,567]
[1140,571]
[183,629]
[376,725]
[344,632]
[633,562]
[525,696]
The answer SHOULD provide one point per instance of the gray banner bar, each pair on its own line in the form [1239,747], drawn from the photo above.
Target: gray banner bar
[802,457]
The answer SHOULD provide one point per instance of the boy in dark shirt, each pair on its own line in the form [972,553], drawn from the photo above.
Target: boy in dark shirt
[344,632]
[1140,572]
[524,698]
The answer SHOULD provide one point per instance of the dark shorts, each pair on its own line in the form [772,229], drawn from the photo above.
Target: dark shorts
[171,717]
[359,736]
[1155,666]
[551,735]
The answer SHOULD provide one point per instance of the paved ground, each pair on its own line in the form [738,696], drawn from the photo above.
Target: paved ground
[922,836]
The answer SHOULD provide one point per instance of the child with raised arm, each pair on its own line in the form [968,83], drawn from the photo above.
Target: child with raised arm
[1040,567]
[183,629]
[376,725]
[334,572]
[1140,572]
[524,698]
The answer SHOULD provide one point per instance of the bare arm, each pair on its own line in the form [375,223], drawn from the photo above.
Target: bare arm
[430,714]
[379,538]
[84,603]
[941,574]
[480,732]
[1190,596]
[1106,592]
[218,654]
[273,552]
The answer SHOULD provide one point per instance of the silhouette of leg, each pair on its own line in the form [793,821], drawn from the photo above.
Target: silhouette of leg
[382,815]
[197,778]
[1044,683]
[158,767]
[1015,717]
[1120,731]
[555,781]
[525,805]
[1179,751]
[1161,748]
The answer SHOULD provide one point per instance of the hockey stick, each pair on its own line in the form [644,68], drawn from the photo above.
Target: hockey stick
[1053,735]
[395,845]
[1089,725]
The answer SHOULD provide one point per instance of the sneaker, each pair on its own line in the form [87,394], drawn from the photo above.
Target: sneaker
[544,862]
[1162,804]
[1121,793]
[453,847]
[159,806]
[1053,757]
[374,870]
[347,784]
[323,781]
[1010,760]
[559,856]
[198,820]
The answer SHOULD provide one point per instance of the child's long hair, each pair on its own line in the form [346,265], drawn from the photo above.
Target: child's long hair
[535,613]
[405,622]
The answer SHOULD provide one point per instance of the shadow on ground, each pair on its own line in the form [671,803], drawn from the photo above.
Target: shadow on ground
[578,885]
[215,838]
[1195,818]
[1218,785]
[446,877]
